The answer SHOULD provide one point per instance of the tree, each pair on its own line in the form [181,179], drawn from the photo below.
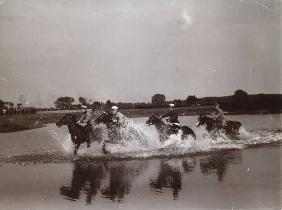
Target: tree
[84,101]
[10,105]
[240,100]
[108,103]
[19,106]
[64,102]
[177,102]
[158,99]
[96,105]
[1,104]
[192,100]
[240,94]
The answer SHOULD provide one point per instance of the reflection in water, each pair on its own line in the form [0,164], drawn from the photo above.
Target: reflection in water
[87,178]
[170,174]
[122,175]
[218,163]
[113,179]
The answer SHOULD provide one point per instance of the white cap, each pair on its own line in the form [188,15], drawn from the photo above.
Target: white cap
[83,106]
[114,108]
[171,105]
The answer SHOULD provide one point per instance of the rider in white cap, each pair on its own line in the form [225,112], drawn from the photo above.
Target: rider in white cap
[117,117]
[85,117]
[172,118]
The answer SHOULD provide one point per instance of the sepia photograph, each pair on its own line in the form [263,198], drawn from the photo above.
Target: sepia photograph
[140,105]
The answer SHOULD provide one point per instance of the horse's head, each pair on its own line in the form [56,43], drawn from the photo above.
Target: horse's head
[153,120]
[68,119]
[103,118]
[201,120]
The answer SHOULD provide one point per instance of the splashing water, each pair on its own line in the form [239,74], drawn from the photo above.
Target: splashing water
[141,141]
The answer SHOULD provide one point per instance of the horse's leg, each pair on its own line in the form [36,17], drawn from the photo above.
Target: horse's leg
[76,149]
[104,148]
[88,141]
[105,151]
[89,129]
[236,130]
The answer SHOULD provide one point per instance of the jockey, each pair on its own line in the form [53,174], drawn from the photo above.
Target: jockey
[172,118]
[218,116]
[85,121]
[85,117]
[118,118]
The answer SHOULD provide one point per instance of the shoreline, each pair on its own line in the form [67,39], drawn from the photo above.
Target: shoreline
[13,123]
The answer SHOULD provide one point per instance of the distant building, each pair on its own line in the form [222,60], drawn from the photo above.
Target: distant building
[158,99]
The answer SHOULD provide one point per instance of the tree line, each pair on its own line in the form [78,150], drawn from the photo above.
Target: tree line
[8,108]
[239,101]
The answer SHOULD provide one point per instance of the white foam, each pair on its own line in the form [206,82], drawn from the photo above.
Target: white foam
[140,140]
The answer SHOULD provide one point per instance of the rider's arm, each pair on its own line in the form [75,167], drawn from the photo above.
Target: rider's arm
[215,114]
[80,119]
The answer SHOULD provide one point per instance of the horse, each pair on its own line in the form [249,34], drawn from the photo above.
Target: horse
[230,127]
[79,134]
[165,130]
[113,130]
[118,132]
[105,118]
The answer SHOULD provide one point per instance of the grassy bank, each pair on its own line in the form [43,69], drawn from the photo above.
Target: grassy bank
[12,123]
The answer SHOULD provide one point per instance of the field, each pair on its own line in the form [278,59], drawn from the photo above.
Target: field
[11,123]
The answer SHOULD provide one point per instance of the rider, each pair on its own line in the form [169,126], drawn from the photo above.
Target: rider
[85,117]
[118,118]
[117,121]
[218,116]
[85,121]
[172,118]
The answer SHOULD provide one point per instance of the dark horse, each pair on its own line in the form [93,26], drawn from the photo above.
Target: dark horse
[113,129]
[79,134]
[230,127]
[165,130]
[105,118]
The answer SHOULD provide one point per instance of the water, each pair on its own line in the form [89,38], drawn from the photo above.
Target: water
[38,171]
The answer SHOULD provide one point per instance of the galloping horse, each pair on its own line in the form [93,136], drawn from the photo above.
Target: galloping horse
[79,134]
[164,130]
[105,118]
[230,127]
[113,130]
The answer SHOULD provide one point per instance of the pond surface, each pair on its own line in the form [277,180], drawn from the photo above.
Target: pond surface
[37,170]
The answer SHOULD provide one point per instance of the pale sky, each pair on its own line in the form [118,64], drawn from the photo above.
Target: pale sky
[128,50]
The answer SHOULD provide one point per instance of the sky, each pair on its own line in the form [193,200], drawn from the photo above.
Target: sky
[128,50]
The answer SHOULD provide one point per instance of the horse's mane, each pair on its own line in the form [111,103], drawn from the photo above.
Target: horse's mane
[204,115]
[104,117]
[153,115]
